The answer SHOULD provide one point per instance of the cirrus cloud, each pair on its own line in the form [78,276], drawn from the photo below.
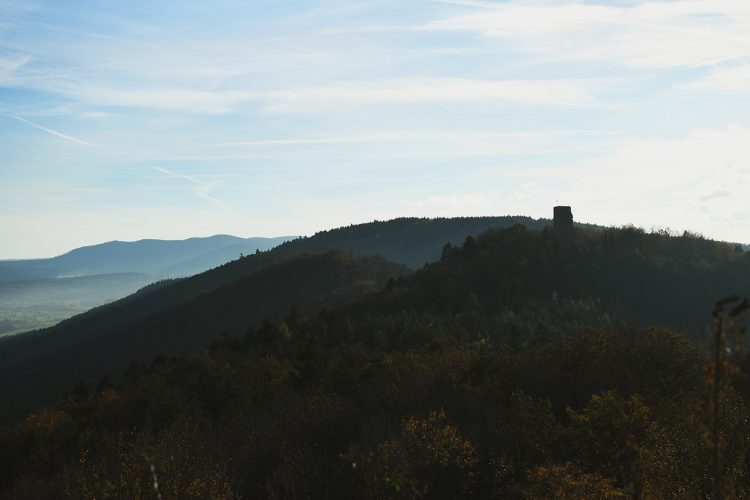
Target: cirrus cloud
[645,34]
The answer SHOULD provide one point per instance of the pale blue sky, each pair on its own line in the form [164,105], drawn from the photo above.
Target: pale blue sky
[128,120]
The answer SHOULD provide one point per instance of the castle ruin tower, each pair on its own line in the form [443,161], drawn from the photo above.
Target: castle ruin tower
[563,219]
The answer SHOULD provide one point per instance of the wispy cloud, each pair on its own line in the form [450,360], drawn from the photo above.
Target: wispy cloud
[734,79]
[400,144]
[699,181]
[414,135]
[569,92]
[9,66]
[310,141]
[338,95]
[160,99]
[202,189]
[645,34]
[56,133]
[455,204]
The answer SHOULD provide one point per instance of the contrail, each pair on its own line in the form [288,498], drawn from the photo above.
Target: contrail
[49,130]
[201,191]
[173,174]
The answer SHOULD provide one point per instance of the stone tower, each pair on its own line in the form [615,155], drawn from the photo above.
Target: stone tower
[563,219]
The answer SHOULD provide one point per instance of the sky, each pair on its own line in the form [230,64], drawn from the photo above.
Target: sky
[172,119]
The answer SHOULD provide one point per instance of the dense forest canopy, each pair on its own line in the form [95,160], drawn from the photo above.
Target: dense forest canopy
[521,364]
[107,337]
[646,278]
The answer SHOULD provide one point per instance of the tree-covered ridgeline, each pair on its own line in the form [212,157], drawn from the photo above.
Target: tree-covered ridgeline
[508,369]
[37,367]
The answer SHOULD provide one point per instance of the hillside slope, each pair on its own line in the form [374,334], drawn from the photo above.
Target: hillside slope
[32,373]
[518,366]
[645,278]
[405,241]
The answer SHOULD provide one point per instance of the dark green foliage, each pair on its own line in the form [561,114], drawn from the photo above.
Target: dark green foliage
[35,371]
[521,365]
[409,241]
[319,411]
[646,278]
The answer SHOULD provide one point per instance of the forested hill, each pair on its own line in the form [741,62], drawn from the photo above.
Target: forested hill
[644,278]
[409,241]
[34,373]
[500,371]
[406,241]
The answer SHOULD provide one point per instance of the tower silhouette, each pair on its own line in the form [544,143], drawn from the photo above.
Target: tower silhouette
[563,220]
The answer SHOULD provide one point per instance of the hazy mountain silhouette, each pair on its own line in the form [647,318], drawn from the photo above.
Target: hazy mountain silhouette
[157,257]
[39,293]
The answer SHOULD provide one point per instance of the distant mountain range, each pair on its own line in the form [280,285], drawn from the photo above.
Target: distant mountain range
[164,258]
[37,293]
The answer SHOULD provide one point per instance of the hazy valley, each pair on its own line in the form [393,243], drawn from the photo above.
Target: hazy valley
[42,292]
